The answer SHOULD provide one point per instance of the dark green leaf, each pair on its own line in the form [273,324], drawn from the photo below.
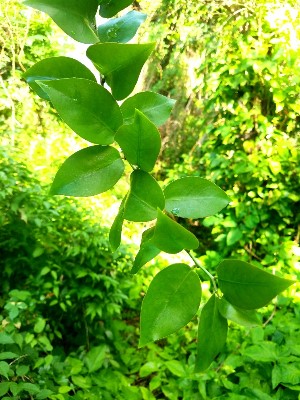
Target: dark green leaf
[248,287]
[140,142]
[55,68]
[144,197]
[155,106]
[88,108]
[171,237]
[89,172]
[212,333]
[194,197]
[109,8]
[247,318]
[120,64]
[147,251]
[122,29]
[172,300]
[115,232]
[76,18]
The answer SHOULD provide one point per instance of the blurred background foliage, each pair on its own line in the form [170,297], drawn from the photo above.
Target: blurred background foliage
[69,308]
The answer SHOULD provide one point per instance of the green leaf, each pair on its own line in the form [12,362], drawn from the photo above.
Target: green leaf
[212,333]
[29,387]
[286,374]
[146,252]
[248,287]
[194,197]
[171,301]
[4,369]
[88,108]
[55,68]
[4,388]
[140,142]
[39,325]
[109,8]
[234,235]
[95,358]
[247,318]
[122,29]
[263,352]
[8,355]
[44,394]
[171,237]
[155,106]
[120,64]
[89,172]
[115,232]
[148,368]
[5,338]
[144,197]
[176,367]
[75,18]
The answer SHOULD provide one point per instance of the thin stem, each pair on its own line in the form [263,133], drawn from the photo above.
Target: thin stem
[211,277]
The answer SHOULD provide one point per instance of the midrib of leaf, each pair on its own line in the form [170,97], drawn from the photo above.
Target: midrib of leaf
[244,283]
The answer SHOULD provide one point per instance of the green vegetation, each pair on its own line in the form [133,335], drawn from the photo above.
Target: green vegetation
[70,307]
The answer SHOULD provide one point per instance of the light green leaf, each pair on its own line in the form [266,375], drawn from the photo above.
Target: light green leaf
[140,142]
[39,325]
[122,29]
[248,287]
[8,355]
[89,172]
[120,64]
[55,68]
[212,333]
[194,197]
[264,352]
[88,108]
[144,197]
[286,374]
[75,18]
[4,388]
[95,358]
[171,237]
[22,370]
[242,317]
[176,367]
[115,232]
[148,368]
[171,301]
[5,338]
[146,252]
[233,236]
[4,369]
[155,106]
[109,8]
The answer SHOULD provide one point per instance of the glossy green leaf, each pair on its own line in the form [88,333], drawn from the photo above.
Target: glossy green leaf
[109,8]
[242,317]
[120,64]
[171,301]
[171,237]
[144,197]
[248,287]
[89,172]
[115,232]
[75,18]
[212,333]
[88,108]
[155,106]
[122,29]
[194,197]
[140,142]
[55,68]
[146,252]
